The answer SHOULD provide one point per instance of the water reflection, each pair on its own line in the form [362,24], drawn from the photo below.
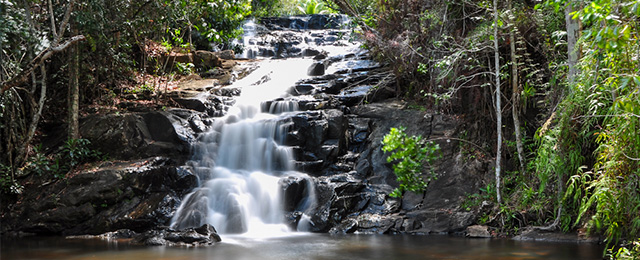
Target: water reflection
[305,246]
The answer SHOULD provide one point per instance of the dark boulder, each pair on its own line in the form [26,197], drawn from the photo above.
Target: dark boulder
[136,195]
[316,69]
[138,135]
[294,190]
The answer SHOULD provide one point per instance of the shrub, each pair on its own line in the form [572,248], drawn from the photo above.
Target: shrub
[409,154]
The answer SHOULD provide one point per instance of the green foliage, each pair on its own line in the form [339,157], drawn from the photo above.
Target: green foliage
[185,68]
[144,88]
[598,125]
[487,193]
[73,153]
[312,7]
[77,151]
[38,163]
[628,252]
[610,81]
[409,153]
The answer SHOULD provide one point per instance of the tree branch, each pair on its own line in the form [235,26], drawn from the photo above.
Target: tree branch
[65,21]
[37,61]
[53,20]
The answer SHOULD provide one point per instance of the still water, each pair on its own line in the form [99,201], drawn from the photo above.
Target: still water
[304,246]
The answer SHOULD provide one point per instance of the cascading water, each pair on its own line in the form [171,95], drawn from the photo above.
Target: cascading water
[248,40]
[241,159]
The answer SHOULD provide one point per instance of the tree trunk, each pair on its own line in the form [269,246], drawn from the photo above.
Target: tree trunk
[573,34]
[22,153]
[498,105]
[74,92]
[515,91]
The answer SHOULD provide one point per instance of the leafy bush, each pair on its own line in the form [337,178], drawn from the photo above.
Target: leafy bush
[78,151]
[73,153]
[629,252]
[312,7]
[409,154]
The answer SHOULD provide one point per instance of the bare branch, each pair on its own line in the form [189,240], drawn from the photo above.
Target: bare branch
[53,20]
[65,22]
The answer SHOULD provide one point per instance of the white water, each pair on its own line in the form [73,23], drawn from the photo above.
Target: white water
[248,40]
[240,160]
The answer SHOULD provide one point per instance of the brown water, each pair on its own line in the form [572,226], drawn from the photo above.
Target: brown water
[305,246]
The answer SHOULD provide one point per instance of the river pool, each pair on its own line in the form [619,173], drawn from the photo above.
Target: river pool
[304,246]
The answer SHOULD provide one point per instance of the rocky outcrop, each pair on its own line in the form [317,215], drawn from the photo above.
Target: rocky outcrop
[353,182]
[138,195]
[139,135]
[206,235]
[347,108]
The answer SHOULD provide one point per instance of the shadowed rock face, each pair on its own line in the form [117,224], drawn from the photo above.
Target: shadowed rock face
[137,195]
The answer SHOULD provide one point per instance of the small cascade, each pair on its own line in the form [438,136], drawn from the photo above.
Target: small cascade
[248,40]
[280,106]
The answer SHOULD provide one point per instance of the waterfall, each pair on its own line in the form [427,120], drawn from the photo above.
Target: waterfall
[241,159]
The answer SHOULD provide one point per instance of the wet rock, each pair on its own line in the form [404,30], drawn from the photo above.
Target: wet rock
[292,219]
[412,201]
[311,52]
[337,124]
[294,190]
[320,56]
[315,22]
[335,86]
[320,214]
[375,224]
[441,221]
[226,54]
[477,231]
[136,195]
[228,92]
[192,103]
[346,226]
[205,235]
[302,89]
[316,69]
[310,167]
